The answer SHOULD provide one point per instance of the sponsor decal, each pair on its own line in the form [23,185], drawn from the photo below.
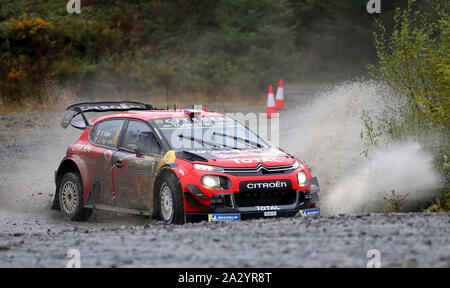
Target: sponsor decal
[266,185]
[121,106]
[270,213]
[85,148]
[197,122]
[242,156]
[309,212]
[107,161]
[267,208]
[224,217]
[168,158]
[257,160]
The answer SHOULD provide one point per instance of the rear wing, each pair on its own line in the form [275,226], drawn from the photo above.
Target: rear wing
[80,108]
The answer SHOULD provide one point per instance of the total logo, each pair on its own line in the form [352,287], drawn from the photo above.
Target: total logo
[267,208]
[257,160]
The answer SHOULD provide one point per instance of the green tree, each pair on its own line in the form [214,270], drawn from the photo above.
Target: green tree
[414,61]
[251,45]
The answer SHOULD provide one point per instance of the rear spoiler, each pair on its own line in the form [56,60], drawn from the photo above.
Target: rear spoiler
[81,108]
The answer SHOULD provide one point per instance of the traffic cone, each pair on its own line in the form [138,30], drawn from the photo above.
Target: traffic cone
[279,99]
[270,103]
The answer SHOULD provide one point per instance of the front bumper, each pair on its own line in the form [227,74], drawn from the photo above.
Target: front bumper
[198,217]
[224,205]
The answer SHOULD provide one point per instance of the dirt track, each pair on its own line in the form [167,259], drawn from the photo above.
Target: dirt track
[31,235]
[404,240]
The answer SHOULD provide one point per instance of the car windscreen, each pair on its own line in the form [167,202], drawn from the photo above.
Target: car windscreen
[219,132]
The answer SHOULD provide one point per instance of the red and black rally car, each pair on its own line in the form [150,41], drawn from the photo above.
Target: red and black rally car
[177,166]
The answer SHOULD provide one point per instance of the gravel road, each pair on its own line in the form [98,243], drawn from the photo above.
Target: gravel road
[404,240]
[31,235]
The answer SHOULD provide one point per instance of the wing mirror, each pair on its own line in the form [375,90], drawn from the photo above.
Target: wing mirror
[136,149]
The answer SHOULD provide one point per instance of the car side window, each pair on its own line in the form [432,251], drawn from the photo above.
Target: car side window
[106,133]
[140,136]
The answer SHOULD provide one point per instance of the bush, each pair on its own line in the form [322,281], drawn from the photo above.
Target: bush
[395,203]
[25,60]
[414,61]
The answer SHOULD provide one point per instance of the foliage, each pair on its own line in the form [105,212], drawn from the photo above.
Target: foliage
[395,203]
[414,61]
[251,45]
[213,47]
[28,47]
[369,134]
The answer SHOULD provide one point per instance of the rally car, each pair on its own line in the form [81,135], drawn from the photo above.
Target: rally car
[177,166]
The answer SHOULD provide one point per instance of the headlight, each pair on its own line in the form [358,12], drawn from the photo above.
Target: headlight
[208,168]
[211,181]
[215,182]
[301,178]
[295,165]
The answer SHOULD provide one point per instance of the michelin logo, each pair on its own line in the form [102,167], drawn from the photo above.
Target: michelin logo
[309,212]
[224,217]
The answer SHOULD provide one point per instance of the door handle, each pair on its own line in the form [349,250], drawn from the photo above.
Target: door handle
[118,164]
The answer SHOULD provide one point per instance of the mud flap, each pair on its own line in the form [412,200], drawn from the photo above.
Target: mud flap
[55,204]
[314,189]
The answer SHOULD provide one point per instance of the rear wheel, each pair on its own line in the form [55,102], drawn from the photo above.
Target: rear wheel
[171,201]
[71,198]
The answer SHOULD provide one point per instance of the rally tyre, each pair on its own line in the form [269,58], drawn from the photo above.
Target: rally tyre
[171,201]
[71,198]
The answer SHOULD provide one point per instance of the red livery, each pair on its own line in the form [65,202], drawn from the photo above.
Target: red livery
[177,166]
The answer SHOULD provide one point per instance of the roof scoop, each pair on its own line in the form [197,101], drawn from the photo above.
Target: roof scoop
[193,113]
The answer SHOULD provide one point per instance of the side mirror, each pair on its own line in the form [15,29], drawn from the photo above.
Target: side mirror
[137,150]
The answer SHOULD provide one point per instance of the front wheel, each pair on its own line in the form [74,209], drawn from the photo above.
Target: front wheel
[171,201]
[71,198]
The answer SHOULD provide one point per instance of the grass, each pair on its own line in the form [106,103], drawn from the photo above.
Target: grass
[442,203]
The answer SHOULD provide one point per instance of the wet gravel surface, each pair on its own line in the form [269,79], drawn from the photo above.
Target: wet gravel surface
[404,240]
[31,235]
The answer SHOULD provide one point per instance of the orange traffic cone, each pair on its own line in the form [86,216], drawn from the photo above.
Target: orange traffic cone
[279,99]
[270,103]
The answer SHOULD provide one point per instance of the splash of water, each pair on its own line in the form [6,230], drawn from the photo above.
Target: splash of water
[324,132]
